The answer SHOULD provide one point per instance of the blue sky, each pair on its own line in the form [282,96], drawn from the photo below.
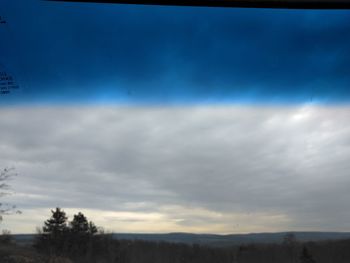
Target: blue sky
[88,53]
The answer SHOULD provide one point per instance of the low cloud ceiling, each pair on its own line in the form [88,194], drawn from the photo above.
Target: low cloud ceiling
[162,169]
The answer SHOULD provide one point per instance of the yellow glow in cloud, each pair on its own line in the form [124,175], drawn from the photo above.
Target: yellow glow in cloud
[170,219]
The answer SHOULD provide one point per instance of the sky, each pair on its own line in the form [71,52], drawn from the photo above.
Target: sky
[176,119]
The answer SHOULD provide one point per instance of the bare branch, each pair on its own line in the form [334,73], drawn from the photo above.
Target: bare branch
[5,208]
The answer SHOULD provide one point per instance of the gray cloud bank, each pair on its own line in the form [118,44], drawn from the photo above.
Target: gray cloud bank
[200,169]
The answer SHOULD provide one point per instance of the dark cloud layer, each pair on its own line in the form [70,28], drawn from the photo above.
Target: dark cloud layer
[88,52]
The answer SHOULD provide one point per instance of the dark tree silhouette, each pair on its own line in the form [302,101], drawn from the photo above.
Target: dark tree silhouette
[81,236]
[52,239]
[57,224]
[79,224]
[76,239]
[92,228]
[6,237]
[306,257]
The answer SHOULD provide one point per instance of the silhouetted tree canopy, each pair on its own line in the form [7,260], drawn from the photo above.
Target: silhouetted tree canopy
[60,237]
[52,238]
[79,224]
[57,224]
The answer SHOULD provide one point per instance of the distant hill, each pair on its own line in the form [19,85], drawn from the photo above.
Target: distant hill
[216,240]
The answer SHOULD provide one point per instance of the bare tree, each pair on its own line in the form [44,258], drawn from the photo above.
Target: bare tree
[5,189]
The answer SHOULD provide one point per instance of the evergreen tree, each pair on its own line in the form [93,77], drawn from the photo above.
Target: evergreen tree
[52,239]
[57,224]
[92,228]
[81,236]
[79,224]
[75,240]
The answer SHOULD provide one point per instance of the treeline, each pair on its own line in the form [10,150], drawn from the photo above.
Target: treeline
[161,252]
[78,241]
